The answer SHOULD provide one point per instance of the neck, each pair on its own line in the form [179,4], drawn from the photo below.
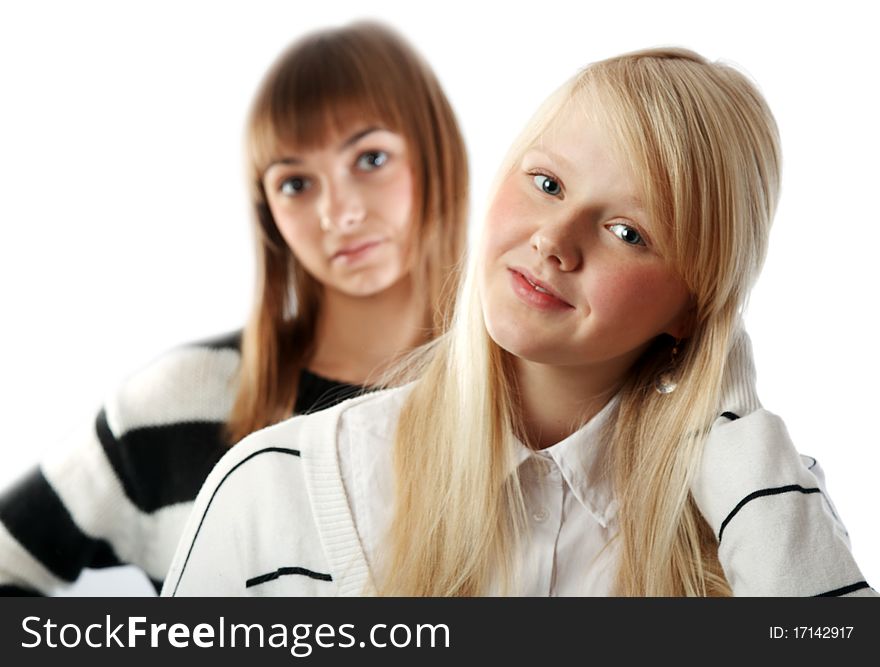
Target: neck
[358,338]
[555,401]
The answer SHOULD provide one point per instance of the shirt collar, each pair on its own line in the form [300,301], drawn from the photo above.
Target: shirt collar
[583,460]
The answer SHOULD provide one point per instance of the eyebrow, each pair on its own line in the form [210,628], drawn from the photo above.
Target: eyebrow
[357,136]
[353,139]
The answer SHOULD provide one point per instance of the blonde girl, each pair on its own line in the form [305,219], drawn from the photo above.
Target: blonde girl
[589,425]
[358,179]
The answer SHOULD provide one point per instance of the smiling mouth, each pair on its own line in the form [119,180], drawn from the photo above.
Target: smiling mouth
[535,294]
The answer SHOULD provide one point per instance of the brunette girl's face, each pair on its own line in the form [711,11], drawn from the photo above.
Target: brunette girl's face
[345,209]
[569,274]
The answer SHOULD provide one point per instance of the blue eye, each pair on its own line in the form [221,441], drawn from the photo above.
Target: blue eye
[626,234]
[295,186]
[547,184]
[371,160]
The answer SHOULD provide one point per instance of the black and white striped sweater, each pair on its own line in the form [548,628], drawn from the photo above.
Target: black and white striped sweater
[122,494]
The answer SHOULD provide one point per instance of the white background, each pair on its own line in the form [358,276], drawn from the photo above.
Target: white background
[123,219]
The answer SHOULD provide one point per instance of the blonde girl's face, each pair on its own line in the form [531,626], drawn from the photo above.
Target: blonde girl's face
[345,209]
[569,273]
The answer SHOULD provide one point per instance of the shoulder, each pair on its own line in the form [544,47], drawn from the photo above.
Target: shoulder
[279,498]
[265,460]
[315,435]
[189,383]
[261,473]
[261,467]
[252,514]
[375,415]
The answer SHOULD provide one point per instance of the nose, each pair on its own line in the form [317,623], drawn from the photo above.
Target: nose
[340,208]
[554,243]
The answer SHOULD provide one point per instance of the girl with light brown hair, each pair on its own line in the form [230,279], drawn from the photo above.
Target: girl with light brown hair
[358,179]
[589,425]
[347,289]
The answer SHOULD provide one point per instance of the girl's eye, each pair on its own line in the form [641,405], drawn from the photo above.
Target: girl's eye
[371,160]
[295,186]
[547,184]
[626,234]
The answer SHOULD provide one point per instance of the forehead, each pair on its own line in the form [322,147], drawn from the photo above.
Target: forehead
[585,149]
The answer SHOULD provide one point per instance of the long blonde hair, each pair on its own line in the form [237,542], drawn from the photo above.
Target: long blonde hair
[705,144]
[361,71]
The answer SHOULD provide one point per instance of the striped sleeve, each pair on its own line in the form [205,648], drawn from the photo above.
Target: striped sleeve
[778,532]
[121,492]
[35,559]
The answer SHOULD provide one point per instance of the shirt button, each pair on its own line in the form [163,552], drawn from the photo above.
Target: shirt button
[540,515]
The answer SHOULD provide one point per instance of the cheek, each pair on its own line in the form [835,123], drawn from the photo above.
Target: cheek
[301,235]
[393,202]
[638,297]
[506,223]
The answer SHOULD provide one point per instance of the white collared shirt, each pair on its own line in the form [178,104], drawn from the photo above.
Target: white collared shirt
[567,547]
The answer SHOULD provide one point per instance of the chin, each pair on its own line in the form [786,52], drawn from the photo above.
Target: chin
[517,341]
[365,286]
[362,291]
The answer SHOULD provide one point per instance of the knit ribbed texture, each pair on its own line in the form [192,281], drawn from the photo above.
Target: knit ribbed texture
[330,504]
[739,394]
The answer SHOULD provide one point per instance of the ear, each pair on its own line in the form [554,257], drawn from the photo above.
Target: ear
[683,326]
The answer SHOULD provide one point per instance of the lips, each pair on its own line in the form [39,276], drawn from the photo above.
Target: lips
[536,292]
[356,248]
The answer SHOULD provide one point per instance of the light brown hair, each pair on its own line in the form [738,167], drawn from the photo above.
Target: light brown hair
[324,80]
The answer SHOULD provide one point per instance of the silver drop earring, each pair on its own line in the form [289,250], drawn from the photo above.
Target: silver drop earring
[665,382]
